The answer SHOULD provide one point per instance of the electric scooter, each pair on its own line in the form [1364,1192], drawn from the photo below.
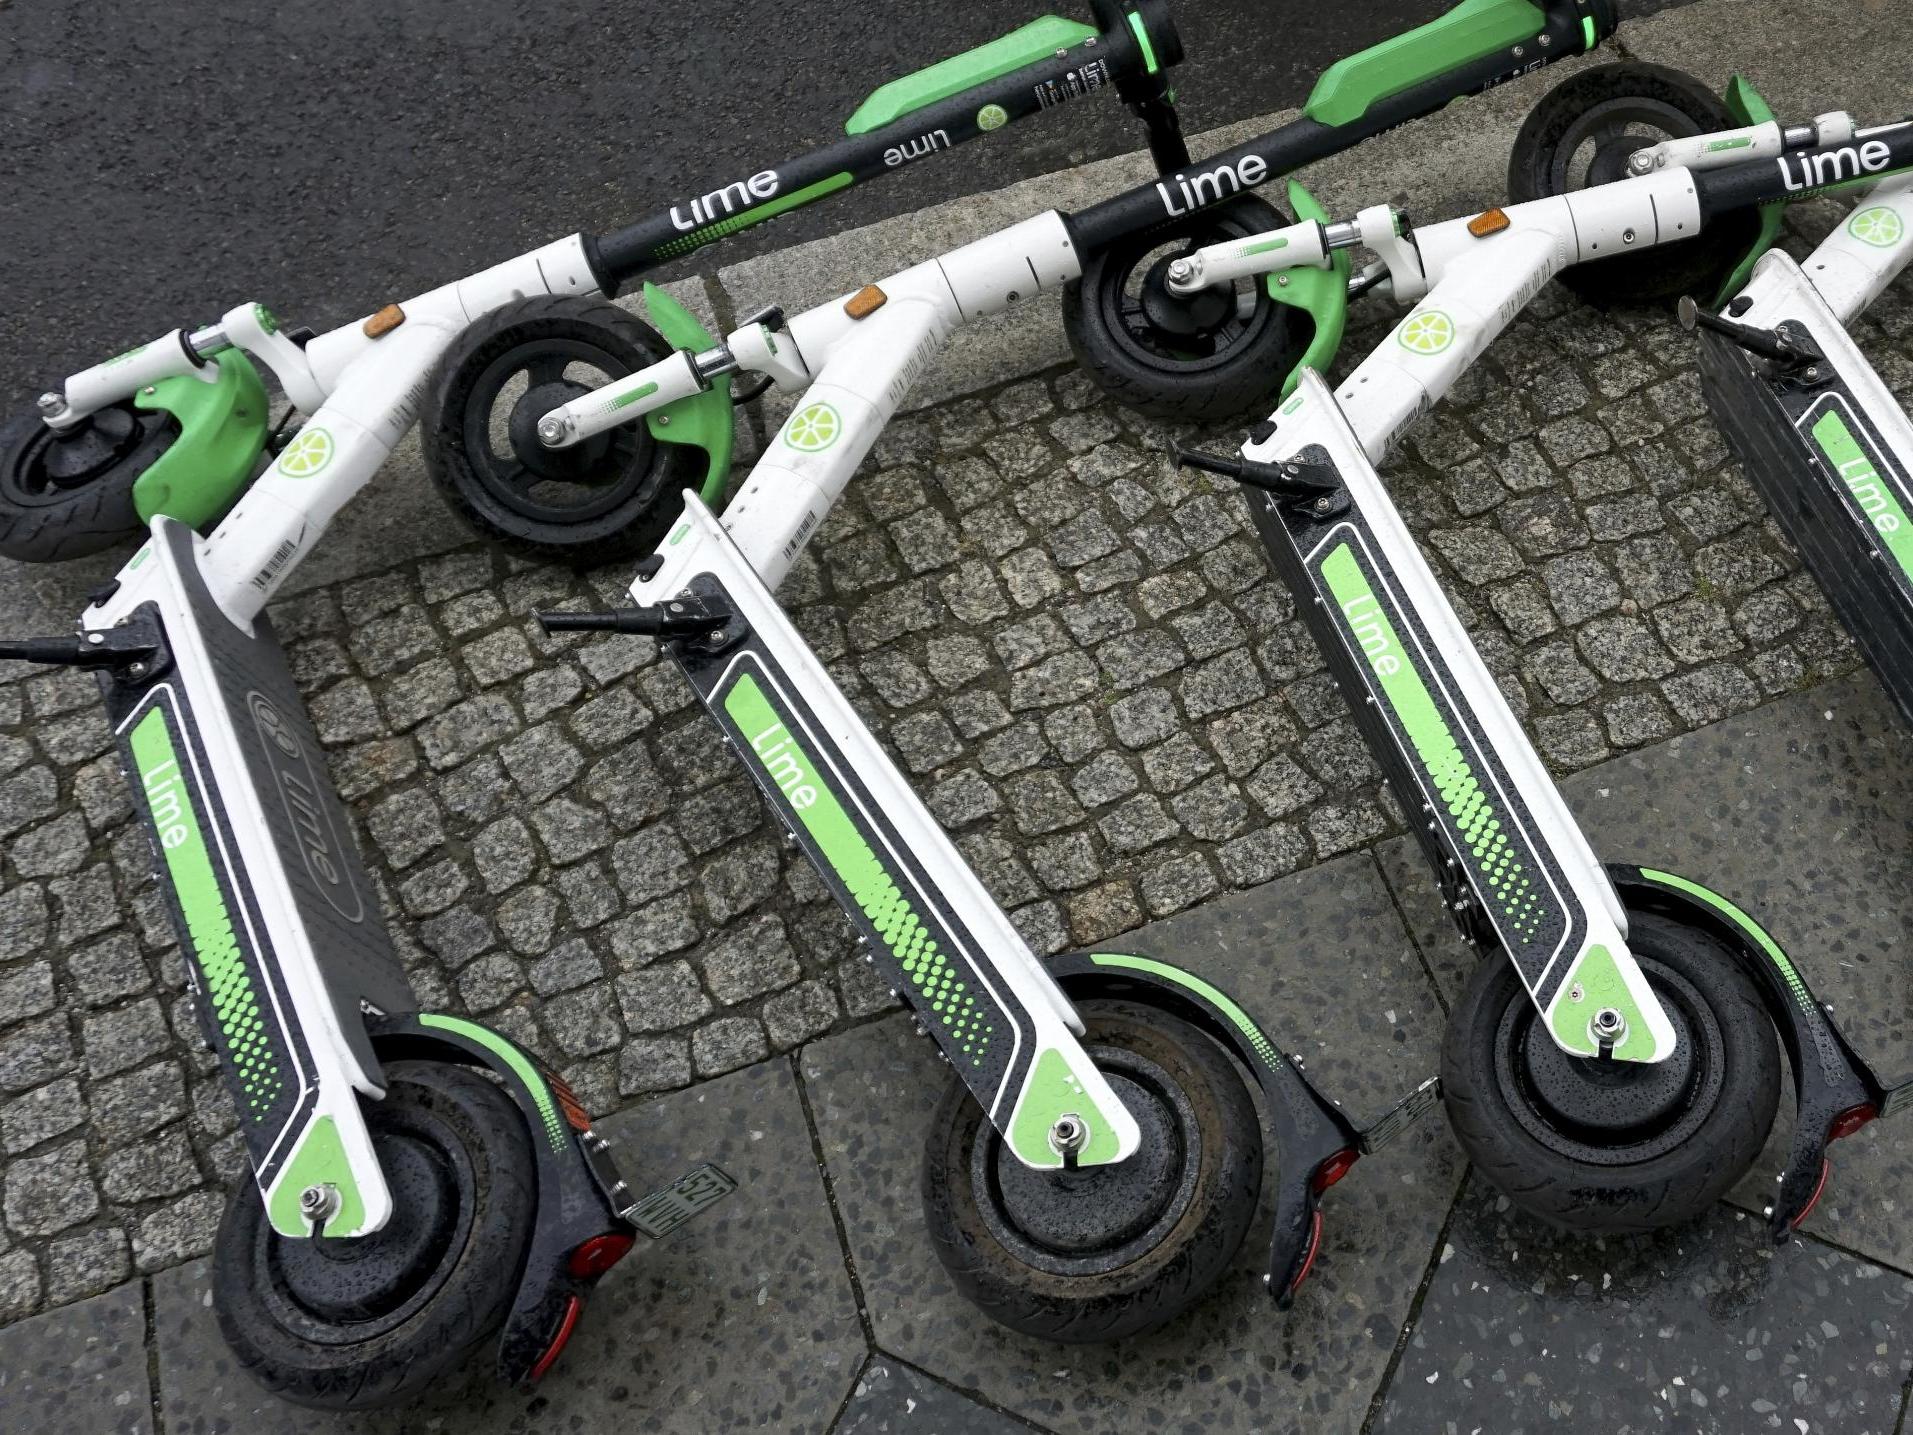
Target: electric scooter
[179,427]
[1816,429]
[1617,1070]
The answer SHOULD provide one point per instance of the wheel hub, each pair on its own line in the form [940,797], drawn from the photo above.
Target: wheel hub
[1605,1110]
[366,1277]
[1180,316]
[1096,1218]
[575,464]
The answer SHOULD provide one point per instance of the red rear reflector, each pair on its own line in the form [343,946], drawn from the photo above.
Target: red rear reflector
[1826,1170]
[598,1255]
[1850,1121]
[575,1115]
[1333,1169]
[1308,1262]
[565,1326]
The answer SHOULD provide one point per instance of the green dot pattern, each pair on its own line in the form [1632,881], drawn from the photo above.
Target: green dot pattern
[222,967]
[945,998]
[1507,881]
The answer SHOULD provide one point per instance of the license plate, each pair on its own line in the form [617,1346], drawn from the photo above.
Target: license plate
[696,1191]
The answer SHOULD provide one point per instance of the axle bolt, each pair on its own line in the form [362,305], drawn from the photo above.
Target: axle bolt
[1069,1135]
[1181,270]
[319,1204]
[51,403]
[552,430]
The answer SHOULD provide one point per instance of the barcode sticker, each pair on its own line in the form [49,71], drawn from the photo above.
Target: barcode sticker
[281,556]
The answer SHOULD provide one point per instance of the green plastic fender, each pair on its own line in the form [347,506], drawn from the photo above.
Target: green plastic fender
[1035,41]
[1474,28]
[701,420]
[1747,107]
[1321,293]
[222,432]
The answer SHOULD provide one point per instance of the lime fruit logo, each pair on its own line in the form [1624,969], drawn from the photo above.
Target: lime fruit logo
[1428,333]
[1878,226]
[309,453]
[813,429]
[992,117]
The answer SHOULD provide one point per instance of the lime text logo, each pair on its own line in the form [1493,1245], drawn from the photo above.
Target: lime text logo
[1817,171]
[781,760]
[719,203]
[917,148]
[1370,626]
[1863,482]
[163,795]
[1213,184]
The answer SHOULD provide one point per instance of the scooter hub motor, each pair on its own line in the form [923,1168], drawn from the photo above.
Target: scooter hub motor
[1607,1111]
[575,464]
[1092,1219]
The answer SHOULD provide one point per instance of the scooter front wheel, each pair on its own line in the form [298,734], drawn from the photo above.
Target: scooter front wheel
[1103,1252]
[1593,1145]
[1218,354]
[71,494]
[1582,133]
[607,499]
[359,1323]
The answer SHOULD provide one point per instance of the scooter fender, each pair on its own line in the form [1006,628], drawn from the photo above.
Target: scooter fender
[1835,1091]
[1747,107]
[1314,1142]
[1320,293]
[579,1228]
[702,420]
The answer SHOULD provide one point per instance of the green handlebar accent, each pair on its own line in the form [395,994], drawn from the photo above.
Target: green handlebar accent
[701,420]
[1035,41]
[1320,293]
[1748,107]
[222,431]
[1141,32]
[1470,31]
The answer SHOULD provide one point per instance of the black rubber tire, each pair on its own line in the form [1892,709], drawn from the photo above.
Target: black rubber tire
[474,1129]
[49,523]
[644,478]
[1151,1289]
[1697,266]
[1669,1186]
[1243,383]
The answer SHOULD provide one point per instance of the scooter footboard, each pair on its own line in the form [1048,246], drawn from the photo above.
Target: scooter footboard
[267,893]
[1831,453]
[1511,861]
[925,919]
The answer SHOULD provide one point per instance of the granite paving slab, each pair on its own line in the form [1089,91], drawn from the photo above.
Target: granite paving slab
[742,1320]
[1323,961]
[1697,1330]
[79,1368]
[893,1399]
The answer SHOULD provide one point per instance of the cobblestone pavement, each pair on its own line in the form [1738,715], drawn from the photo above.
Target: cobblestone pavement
[1077,652]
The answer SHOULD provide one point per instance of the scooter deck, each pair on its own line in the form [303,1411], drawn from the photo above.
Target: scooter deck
[926,921]
[1831,453]
[263,884]
[1510,862]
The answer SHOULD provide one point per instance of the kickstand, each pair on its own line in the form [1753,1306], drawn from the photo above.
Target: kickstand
[1789,350]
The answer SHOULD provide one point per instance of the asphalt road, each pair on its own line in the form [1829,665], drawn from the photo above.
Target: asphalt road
[161,162]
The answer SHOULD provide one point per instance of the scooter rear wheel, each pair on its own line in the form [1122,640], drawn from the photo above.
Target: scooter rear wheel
[355,1324]
[1109,1251]
[1581,134]
[1594,1145]
[606,499]
[1216,355]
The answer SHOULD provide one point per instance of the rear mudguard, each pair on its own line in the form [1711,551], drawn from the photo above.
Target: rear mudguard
[1747,107]
[702,420]
[1835,1091]
[1315,1143]
[580,1229]
[1320,293]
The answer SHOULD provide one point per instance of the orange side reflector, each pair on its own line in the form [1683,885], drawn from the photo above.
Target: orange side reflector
[1492,222]
[865,302]
[384,322]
